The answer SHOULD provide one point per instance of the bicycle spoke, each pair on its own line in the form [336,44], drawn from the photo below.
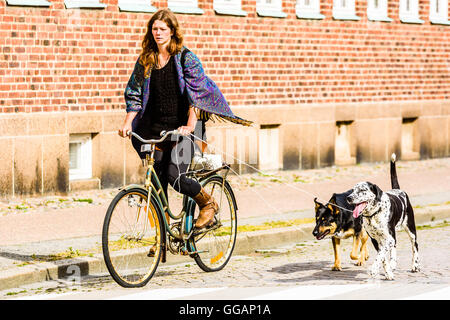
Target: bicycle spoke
[127,237]
[214,246]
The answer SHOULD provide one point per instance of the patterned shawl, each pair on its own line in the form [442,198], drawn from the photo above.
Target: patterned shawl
[202,92]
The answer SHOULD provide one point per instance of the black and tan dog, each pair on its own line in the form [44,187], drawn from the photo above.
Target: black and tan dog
[335,219]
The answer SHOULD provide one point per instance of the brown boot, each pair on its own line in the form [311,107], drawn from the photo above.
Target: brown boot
[152,251]
[208,208]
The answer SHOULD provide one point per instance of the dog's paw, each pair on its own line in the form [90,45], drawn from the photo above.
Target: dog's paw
[373,272]
[389,276]
[415,268]
[359,263]
[336,268]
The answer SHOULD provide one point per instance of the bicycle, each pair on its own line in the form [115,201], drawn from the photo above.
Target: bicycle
[136,221]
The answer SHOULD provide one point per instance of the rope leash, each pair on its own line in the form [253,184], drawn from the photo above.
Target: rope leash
[261,172]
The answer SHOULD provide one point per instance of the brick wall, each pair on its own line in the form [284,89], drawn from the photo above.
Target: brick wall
[302,79]
[57,59]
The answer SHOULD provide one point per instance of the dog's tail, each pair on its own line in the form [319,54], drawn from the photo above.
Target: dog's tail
[394,180]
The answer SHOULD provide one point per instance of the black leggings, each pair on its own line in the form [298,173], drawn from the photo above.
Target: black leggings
[171,164]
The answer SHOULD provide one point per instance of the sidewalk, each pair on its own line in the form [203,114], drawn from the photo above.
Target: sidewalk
[35,228]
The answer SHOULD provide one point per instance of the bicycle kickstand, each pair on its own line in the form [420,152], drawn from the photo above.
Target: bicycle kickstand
[164,252]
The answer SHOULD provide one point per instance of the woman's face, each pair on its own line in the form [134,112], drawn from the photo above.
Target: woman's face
[161,33]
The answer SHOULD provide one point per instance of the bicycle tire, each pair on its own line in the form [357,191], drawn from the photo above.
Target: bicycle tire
[214,249]
[125,243]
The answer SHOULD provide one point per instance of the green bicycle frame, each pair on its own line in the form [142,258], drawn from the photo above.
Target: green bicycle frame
[154,188]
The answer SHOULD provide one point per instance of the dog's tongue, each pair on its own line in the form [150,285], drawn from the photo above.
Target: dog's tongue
[360,207]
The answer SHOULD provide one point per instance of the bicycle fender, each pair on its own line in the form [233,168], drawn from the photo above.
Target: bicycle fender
[232,195]
[203,182]
[132,186]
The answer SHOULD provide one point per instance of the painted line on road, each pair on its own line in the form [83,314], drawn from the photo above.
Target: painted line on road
[310,292]
[166,294]
[440,294]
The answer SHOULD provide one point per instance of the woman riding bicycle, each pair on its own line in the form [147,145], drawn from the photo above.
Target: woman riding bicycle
[167,87]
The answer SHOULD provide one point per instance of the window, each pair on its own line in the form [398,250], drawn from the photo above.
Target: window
[439,12]
[410,144]
[229,7]
[344,10]
[269,147]
[409,11]
[270,8]
[71,4]
[136,6]
[30,3]
[308,9]
[377,10]
[80,156]
[342,144]
[184,6]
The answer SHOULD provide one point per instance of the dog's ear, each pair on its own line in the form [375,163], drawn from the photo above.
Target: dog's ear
[317,203]
[376,191]
[333,198]
[332,205]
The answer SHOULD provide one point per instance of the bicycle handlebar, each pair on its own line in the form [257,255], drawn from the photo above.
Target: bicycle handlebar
[164,134]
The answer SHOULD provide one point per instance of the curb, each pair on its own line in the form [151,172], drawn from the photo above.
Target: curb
[246,243]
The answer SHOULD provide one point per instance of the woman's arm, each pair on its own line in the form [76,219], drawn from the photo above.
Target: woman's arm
[133,98]
[190,126]
[126,127]
[133,90]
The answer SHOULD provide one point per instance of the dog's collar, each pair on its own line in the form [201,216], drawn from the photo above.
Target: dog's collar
[368,217]
[376,212]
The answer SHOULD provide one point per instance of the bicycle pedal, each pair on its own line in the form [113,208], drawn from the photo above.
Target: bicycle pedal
[184,252]
[205,228]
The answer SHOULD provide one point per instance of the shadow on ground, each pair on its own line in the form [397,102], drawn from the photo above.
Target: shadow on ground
[321,271]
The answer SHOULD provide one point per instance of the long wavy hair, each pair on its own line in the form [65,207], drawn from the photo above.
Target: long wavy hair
[149,56]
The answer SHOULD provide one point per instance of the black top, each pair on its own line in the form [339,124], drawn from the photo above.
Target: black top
[166,109]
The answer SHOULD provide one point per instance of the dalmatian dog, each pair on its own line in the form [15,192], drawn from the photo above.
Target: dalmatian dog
[383,213]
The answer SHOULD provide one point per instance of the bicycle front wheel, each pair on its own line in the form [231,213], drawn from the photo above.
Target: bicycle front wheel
[130,229]
[214,248]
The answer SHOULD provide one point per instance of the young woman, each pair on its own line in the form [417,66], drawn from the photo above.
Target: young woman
[167,90]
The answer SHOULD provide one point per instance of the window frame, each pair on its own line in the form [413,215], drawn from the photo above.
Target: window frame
[311,11]
[229,7]
[347,12]
[270,10]
[380,13]
[410,16]
[184,6]
[269,147]
[28,3]
[84,4]
[84,170]
[440,17]
[136,6]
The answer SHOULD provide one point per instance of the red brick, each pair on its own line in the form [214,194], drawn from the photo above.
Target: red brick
[254,60]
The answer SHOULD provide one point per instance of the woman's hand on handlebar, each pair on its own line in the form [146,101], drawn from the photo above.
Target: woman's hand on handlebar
[126,127]
[185,130]
[124,131]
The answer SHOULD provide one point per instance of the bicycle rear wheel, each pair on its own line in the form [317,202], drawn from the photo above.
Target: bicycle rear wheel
[128,233]
[214,248]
